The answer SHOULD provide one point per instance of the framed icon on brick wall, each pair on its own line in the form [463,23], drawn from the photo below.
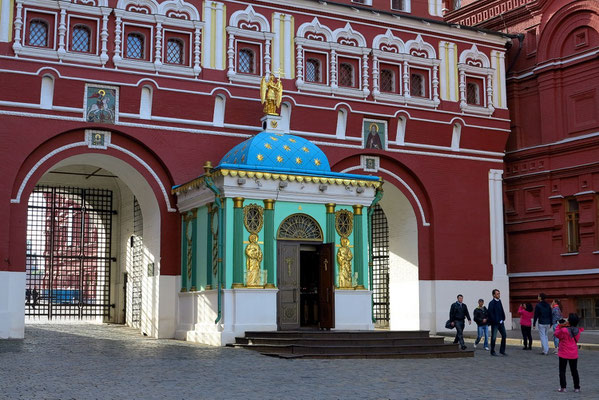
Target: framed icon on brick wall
[374,134]
[101,104]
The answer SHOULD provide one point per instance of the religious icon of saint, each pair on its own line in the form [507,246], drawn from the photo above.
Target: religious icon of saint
[373,140]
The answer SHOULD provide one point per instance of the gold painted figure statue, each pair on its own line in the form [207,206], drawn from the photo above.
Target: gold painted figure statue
[271,93]
[254,258]
[344,257]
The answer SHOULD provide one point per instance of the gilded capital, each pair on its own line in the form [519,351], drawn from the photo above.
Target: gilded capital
[358,209]
[269,204]
[238,202]
[330,208]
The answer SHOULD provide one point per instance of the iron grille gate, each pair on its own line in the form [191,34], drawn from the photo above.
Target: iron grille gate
[68,252]
[380,267]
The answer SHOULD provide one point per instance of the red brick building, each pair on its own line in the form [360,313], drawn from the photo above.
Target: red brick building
[105,105]
[551,181]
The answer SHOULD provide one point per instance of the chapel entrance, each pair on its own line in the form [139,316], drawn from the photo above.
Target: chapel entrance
[306,277]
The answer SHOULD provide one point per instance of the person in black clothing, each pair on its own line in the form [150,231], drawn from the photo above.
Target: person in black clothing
[481,317]
[497,319]
[458,312]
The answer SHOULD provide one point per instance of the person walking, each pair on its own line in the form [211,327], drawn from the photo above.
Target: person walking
[568,334]
[556,315]
[481,317]
[497,319]
[543,316]
[526,314]
[458,312]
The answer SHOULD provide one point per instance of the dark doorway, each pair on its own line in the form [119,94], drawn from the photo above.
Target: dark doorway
[305,281]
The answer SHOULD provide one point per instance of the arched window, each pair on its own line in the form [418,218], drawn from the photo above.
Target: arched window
[38,33]
[174,51]
[417,85]
[135,46]
[473,93]
[313,70]
[346,75]
[81,38]
[246,63]
[387,81]
[300,227]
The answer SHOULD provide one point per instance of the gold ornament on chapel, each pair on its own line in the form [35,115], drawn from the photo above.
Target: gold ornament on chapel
[271,93]
[253,219]
[344,224]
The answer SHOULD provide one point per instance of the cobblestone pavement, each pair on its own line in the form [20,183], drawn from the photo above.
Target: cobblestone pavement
[115,362]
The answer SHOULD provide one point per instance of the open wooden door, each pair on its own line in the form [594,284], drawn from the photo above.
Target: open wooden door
[288,297]
[326,286]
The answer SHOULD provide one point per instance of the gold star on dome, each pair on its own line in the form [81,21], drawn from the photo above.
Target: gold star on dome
[268,146]
[287,148]
[292,140]
[243,158]
[279,134]
[260,157]
[305,149]
[274,138]
[317,162]
[280,159]
[298,160]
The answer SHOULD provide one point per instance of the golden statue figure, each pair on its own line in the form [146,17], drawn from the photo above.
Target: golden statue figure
[344,257]
[254,258]
[271,93]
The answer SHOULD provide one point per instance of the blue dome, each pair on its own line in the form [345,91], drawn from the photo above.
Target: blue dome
[269,151]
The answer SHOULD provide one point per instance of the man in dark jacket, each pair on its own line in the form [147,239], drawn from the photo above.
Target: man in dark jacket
[481,317]
[458,312]
[496,320]
[543,315]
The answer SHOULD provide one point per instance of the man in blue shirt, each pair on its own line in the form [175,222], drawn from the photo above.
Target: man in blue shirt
[496,320]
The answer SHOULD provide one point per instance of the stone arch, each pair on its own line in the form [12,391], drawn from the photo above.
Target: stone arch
[140,6]
[315,30]
[562,23]
[473,56]
[179,9]
[418,46]
[348,36]
[389,42]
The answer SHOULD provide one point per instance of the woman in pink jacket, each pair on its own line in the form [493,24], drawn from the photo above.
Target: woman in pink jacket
[526,314]
[568,335]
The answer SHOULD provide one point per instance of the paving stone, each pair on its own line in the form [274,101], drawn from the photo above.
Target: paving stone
[116,362]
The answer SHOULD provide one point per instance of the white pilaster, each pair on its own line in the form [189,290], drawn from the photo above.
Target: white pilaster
[12,305]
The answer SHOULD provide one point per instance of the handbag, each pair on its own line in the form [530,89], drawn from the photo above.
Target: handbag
[448,324]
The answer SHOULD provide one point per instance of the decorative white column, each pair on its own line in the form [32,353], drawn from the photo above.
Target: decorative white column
[16,46]
[462,89]
[117,39]
[196,51]
[375,76]
[333,69]
[104,36]
[62,29]
[436,85]
[158,47]
[287,38]
[300,66]
[490,93]
[365,75]
[267,58]
[406,79]
[231,55]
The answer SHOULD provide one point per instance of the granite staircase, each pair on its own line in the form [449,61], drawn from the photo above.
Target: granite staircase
[350,344]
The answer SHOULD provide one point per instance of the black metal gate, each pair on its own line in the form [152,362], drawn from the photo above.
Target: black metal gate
[136,265]
[68,252]
[380,261]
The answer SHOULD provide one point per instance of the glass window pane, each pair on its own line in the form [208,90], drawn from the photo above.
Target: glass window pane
[174,51]
[346,75]
[246,61]
[387,81]
[135,46]
[313,70]
[417,85]
[81,39]
[38,33]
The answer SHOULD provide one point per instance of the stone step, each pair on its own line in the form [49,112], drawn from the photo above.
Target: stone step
[454,354]
[339,334]
[347,349]
[325,341]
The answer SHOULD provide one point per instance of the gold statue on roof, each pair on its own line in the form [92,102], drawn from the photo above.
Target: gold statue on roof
[271,93]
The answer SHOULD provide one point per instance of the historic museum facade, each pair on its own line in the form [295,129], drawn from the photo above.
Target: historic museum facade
[128,195]
[551,177]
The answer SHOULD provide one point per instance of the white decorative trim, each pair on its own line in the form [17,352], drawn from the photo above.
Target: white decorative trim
[496,223]
[138,6]
[419,46]
[179,9]
[386,42]
[316,27]
[17,199]
[249,15]
[475,54]
[408,188]
[346,35]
